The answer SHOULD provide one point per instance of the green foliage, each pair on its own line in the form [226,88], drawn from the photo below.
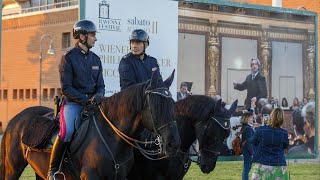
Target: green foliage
[231,170]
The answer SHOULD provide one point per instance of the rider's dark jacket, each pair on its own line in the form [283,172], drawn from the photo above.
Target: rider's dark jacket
[81,75]
[133,70]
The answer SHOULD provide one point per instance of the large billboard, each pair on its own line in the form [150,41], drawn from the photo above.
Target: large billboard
[218,42]
[116,19]
[212,44]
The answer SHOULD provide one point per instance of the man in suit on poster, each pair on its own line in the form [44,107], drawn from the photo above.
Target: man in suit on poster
[255,84]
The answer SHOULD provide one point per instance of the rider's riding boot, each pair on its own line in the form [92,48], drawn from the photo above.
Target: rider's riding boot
[56,156]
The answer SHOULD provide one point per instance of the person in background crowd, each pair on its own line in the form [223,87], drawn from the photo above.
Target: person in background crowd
[275,102]
[270,141]
[137,67]
[291,139]
[295,104]
[81,84]
[184,92]
[308,112]
[246,146]
[304,101]
[284,103]
[298,125]
[255,84]
[265,109]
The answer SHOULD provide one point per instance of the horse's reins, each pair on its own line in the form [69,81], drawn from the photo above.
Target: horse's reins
[166,95]
[124,136]
[197,154]
[116,165]
[127,139]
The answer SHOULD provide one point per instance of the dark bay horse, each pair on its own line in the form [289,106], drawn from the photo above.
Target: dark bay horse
[198,117]
[102,154]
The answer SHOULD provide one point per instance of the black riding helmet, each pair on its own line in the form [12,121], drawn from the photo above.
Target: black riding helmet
[83,27]
[140,35]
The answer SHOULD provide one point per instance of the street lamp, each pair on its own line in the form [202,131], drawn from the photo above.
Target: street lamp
[50,51]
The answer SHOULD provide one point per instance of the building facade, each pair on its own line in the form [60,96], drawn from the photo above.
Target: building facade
[22,30]
[208,27]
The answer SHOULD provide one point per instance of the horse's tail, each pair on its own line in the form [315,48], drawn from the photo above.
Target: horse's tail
[3,156]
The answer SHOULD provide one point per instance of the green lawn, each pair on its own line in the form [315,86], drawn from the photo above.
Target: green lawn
[231,170]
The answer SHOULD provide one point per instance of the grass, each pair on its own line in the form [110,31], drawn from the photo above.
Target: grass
[231,170]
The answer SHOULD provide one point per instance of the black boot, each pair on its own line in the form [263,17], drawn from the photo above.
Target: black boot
[56,156]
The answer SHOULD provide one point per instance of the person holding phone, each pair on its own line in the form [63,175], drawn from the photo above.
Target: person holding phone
[270,142]
[266,121]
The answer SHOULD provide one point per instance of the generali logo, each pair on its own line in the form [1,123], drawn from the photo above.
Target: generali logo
[105,22]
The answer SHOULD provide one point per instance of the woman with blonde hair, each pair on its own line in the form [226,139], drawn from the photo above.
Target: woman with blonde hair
[270,142]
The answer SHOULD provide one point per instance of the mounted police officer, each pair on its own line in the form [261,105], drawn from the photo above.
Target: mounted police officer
[81,84]
[136,67]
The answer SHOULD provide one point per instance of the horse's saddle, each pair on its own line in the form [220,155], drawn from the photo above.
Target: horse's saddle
[42,132]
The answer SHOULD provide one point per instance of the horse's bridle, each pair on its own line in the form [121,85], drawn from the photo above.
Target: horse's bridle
[149,121]
[223,122]
[134,142]
[147,112]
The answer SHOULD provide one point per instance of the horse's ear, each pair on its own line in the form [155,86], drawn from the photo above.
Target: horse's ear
[217,107]
[233,107]
[154,79]
[169,80]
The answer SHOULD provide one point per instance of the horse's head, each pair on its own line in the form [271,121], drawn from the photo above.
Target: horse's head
[158,114]
[212,133]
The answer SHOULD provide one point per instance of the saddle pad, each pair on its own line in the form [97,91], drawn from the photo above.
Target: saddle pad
[39,132]
[80,135]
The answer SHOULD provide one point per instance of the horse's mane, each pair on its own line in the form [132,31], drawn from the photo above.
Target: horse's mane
[129,100]
[196,107]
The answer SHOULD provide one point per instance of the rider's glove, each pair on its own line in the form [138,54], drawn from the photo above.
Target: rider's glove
[96,99]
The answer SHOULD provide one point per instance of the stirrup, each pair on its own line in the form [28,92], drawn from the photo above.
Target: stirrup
[57,173]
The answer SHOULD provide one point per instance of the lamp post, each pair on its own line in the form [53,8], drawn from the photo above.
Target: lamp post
[50,51]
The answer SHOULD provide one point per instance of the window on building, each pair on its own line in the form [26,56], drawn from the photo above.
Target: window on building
[5,94]
[21,95]
[45,93]
[15,94]
[27,93]
[34,93]
[66,40]
[51,93]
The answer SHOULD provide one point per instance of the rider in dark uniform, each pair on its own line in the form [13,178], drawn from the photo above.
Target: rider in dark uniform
[81,84]
[136,67]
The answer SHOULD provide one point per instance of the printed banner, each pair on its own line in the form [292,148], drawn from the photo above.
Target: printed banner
[116,19]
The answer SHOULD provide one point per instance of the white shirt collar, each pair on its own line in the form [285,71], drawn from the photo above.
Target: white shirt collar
[255,74]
